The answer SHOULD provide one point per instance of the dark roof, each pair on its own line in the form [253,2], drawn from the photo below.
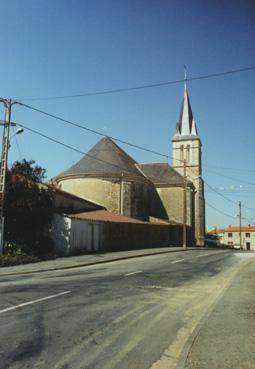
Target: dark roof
[105,158]
[186,126]
[189,112]
[161,174]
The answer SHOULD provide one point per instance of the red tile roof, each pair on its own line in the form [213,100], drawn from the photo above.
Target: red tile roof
[105,216]
[243,229]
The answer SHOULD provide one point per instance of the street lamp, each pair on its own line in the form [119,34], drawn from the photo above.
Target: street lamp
[17,132]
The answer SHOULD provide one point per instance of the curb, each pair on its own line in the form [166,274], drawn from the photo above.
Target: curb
[192,338]
[93,263]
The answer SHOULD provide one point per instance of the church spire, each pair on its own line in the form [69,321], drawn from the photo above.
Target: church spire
[186,125]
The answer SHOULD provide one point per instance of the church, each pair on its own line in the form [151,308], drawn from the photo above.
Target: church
[108,177]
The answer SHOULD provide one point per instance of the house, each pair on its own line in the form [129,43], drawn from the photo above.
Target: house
[246,238]
[230,236]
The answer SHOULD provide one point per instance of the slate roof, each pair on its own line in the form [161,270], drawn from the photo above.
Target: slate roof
[105,158]
[161,174]
[186,125]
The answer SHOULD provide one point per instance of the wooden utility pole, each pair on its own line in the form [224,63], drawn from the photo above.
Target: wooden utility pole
[240,224]
[3,166]
[184,229]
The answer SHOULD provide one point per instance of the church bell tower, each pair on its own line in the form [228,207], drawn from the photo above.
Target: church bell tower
[187,148]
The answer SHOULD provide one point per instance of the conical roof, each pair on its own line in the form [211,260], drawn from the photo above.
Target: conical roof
[186,125]
[104,159]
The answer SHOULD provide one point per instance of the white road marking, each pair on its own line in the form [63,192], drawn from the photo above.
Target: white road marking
[177,261]
[34,301]
[133,273]
[201,255]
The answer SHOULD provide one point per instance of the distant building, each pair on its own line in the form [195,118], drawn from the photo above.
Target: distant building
[109,177]
[230,236]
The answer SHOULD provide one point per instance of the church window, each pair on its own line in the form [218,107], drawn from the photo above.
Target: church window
[188,153]
[182,152]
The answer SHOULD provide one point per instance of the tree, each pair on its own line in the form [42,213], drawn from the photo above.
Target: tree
[28,208]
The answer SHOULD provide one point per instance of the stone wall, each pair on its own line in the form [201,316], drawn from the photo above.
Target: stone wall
[172,201]
[67,203]
[134,236]
[104,192]
[120,196]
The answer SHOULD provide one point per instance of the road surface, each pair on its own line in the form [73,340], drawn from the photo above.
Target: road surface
[139,313]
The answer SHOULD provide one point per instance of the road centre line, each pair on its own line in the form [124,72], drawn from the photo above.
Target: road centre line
[34,301]
[177,261]
[201,255]
[133,273]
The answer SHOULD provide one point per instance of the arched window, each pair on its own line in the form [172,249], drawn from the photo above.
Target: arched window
[188,153]
[181,152]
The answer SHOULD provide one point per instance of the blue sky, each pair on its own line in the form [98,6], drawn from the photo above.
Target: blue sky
[59,47]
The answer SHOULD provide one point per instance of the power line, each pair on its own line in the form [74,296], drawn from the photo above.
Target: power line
[73,148]
[115,139]
[220,194]
[220,211]
[83,127]
[83,153]
[126,89]
[227,168]
[226,198]
[18,147]
[77,125]
[234,179]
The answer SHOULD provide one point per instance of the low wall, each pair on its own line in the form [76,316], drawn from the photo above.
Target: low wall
[123,236]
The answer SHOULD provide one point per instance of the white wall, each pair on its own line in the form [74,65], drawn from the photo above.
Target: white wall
[235,239]
[73,236]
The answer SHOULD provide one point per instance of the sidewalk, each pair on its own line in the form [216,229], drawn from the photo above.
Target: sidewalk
[226,340]
[85,260]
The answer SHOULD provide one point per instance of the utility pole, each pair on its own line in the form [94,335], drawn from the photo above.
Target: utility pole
[3,166]
[240,224]
[184,229]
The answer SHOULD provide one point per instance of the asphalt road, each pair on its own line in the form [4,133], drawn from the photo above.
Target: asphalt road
[131,314]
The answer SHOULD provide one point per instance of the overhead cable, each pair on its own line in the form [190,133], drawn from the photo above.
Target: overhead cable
[73,148]
[77,125]
[126,89]
[219,211]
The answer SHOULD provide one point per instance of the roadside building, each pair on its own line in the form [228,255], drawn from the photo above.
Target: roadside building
[231,237]
[104,231]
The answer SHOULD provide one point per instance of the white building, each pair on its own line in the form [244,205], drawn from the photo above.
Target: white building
[231,237]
